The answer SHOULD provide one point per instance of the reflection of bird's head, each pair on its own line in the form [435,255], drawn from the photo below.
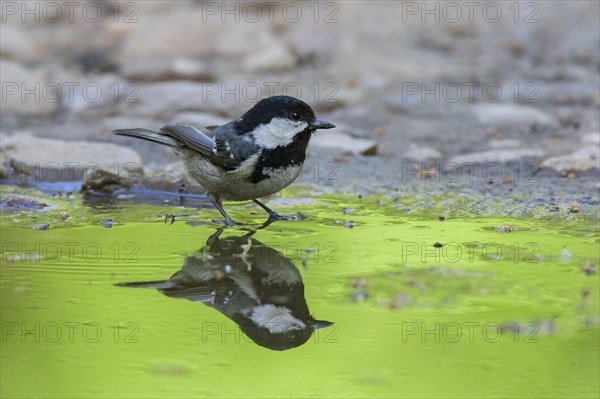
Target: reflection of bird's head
[250,283]
[275,327]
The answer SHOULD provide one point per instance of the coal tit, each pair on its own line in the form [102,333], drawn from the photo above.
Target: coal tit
[252,284]
[254,156]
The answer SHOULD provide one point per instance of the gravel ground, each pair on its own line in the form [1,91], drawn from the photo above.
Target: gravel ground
[504,106]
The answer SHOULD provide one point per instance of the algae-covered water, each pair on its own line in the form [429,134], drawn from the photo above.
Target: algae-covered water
[462,305]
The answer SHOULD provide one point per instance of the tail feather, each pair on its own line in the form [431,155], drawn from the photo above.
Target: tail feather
[149,135]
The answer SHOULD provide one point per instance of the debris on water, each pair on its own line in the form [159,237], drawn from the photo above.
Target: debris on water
[107,222]
[504,229]
[589,268]
[32,257]
[574,208]
[41,226]
[64,216]
[346,211]
[427,173]
[402,300]
[305,257]
[380,203]
[348,224]
[360,283]
[441,218]
[438,245]
[360,296]
[565,254]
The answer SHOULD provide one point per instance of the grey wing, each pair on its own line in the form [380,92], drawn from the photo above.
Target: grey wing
[206,142]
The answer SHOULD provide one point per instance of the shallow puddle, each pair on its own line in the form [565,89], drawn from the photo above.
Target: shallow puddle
[468,306]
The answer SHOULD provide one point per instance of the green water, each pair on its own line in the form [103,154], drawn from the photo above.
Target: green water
[491,313]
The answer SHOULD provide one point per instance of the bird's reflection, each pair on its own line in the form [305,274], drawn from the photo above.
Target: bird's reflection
[250,283]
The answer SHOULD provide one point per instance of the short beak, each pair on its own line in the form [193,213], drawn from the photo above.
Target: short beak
[319,124]
[318,324]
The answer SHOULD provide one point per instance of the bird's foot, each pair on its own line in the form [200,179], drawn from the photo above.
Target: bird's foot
[228,222]
[274,216]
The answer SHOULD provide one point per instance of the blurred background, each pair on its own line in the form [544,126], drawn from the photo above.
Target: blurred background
[404,81]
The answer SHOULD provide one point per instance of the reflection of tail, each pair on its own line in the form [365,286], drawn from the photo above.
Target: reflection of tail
[149,135]
[158,284]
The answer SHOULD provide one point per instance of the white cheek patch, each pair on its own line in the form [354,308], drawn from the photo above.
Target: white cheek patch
[278,132]
[276,319]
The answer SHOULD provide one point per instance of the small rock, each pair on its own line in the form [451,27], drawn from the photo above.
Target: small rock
[170,179]
[165,99]
[421,153]
[581,160]
[312,41]
[589,268]
[60,160]
[15,77]
[155,69]
[176,33]
[41,226]
[105,181]
[94,61]
[591,138]
[343,143]
[500,156]
[512,115]
[14,202]
[275,57]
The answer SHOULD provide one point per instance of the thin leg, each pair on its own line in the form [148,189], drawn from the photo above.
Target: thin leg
[217,203]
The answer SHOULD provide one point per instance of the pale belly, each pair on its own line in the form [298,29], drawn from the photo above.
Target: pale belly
[235,185]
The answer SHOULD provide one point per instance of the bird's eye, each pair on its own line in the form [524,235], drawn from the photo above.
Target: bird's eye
[295,116]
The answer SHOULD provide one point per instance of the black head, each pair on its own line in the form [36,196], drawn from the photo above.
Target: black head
[283,107]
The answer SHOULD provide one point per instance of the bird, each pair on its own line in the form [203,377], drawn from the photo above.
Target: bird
[254,156]
[252,284]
